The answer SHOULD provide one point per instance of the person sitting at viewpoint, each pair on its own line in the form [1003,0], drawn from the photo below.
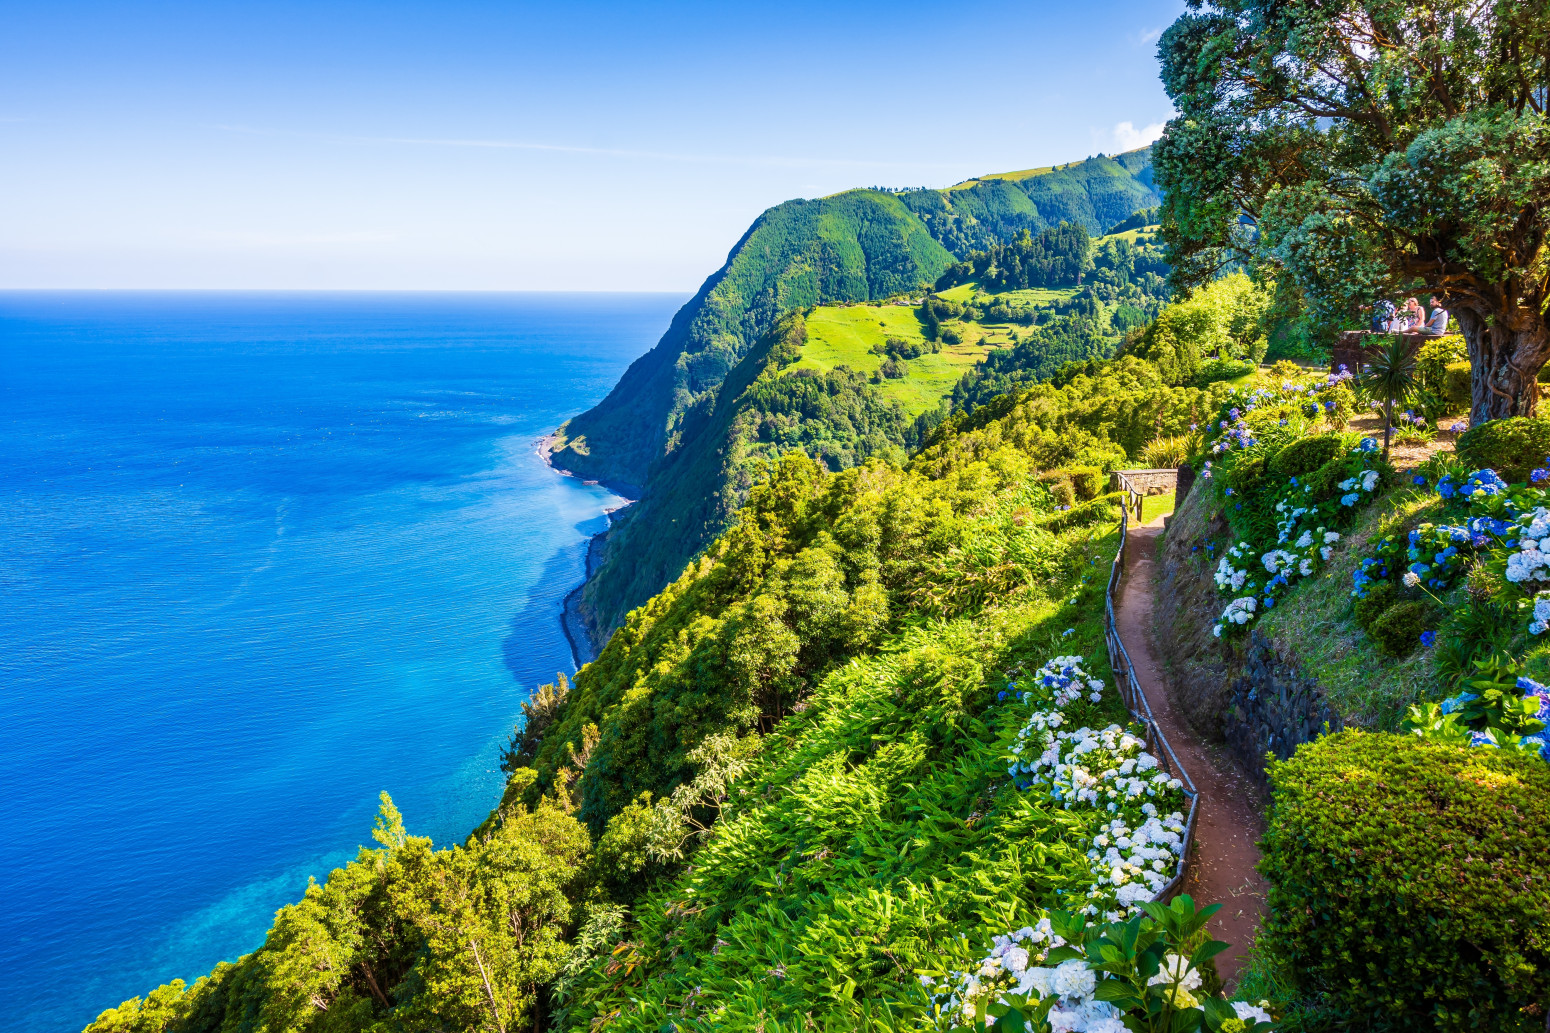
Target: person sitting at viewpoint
[1437,324]
[1413,315]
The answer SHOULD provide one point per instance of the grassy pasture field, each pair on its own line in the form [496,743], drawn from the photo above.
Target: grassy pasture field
[844,336]
[1149,232]
[1013,177]
[965,293]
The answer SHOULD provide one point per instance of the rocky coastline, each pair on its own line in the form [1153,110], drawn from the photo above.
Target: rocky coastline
[578,630]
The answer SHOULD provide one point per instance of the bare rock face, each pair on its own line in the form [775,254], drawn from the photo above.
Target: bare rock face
[1249,695]
[1273,708]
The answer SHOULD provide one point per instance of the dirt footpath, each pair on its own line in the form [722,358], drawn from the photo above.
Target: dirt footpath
[1229,822]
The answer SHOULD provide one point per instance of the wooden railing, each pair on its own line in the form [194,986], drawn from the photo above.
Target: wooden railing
[1141,710]
[1134,498]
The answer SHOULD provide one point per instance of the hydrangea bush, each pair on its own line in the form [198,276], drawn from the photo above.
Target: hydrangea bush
[1132,811]
[1504,710]
[1069,975]
[1499,529]
[1307,511]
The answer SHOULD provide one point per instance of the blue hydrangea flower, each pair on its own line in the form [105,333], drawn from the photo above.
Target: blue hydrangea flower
[1455,702]
[1539,474]
[1418,479]
[1368,445]
[1428,639]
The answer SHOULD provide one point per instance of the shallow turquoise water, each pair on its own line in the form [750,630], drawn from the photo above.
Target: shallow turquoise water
[263,556]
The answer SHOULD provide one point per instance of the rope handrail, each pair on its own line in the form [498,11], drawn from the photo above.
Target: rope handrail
[1141,710]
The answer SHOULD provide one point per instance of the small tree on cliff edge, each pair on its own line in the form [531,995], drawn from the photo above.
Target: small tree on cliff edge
[1368,148]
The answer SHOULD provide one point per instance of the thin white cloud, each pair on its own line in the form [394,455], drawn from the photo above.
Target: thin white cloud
[267,240]
[1129,137]
[1151,35]
[606,152]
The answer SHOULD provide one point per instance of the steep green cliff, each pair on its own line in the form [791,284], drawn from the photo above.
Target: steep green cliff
[662,434]
[852,247]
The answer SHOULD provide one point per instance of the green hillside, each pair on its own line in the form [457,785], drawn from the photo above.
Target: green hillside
[861,245]
[848,382]
[850,248]
[853,247]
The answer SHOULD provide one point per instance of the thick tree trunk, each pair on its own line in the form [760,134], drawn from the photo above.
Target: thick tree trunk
[1507,349]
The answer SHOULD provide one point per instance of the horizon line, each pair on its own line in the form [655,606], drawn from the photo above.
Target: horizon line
[336,290]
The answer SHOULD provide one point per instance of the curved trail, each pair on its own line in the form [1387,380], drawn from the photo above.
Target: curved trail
[1230,818]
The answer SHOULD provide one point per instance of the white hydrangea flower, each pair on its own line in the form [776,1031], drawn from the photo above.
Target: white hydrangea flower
[1249,1012]
[1073,980]
[1175,971]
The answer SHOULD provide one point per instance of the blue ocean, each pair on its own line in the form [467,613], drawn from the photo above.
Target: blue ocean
[262,557]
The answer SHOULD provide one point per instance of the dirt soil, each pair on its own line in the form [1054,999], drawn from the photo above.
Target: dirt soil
[1230,820]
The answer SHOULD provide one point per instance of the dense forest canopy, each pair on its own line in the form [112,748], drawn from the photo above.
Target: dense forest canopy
[1371,149]
[1057,257]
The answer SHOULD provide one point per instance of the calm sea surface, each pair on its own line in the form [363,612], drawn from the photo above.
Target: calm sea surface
[263,556]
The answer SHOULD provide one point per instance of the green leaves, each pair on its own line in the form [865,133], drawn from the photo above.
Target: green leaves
[1368,150]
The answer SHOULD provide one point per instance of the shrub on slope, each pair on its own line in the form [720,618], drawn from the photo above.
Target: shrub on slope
[1409,881]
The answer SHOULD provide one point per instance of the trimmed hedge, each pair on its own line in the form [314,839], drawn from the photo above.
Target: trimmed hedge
[1457,383]
[1410,882]
[1304,456]
[1512,447]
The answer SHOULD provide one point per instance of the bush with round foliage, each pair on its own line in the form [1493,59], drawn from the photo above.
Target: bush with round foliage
[1398,629]
[1087,480]
[1512,447]
[1304,456]
[1456,384]
[1409,883]
[1379,597]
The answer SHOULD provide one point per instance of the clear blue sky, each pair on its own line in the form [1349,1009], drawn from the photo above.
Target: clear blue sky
[513,146]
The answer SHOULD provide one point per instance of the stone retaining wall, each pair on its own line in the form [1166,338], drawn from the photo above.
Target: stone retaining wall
[1150,482]
[1272,708]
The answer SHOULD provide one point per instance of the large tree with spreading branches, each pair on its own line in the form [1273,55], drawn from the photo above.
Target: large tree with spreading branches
[1362,149]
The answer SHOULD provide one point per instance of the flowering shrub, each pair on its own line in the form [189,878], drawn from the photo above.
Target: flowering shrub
[1230,577]
[1505,711]
[1304,516]
[1279,412]
[1502,527]
[1101,772]
[1067,974]
[1435,555]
